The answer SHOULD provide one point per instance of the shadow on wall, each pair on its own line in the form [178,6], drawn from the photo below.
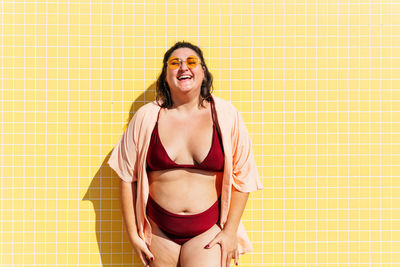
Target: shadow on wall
[103,192]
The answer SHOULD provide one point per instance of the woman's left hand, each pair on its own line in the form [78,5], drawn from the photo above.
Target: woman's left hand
[229,247]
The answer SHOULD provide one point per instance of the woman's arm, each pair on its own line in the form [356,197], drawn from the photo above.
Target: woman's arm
[128,197]
[227,238]
[238,203]
[128,200]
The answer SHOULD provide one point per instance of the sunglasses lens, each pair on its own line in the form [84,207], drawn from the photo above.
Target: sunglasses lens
[173,63]
[192,62]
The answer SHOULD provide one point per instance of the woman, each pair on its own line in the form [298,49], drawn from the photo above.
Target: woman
[187,168]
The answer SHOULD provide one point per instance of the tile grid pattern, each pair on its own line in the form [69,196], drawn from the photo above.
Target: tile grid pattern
[316,83]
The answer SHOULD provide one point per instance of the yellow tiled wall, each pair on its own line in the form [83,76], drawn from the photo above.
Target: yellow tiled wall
[317,83]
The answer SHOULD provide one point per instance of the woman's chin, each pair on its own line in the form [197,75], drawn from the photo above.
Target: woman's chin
[185,90]
[186,86]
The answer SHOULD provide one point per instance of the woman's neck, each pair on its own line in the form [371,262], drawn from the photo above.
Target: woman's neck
[186,103]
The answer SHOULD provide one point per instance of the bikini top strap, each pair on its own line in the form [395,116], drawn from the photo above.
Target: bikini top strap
[158,115]
[213,111]
[215,120]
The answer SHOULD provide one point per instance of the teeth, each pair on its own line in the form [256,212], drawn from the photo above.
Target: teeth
[184,77]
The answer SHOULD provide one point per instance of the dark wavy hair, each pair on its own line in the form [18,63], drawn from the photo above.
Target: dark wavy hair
[163,92]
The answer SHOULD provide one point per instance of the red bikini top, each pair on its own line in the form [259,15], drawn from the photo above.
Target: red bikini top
[158,159]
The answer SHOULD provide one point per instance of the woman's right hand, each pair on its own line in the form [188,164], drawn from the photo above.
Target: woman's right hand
[142,251]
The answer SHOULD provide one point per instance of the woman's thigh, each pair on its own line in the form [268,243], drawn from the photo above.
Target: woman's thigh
[193,253]
[166,252]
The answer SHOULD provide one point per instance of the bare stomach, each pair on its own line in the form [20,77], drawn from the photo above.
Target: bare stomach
[185,191]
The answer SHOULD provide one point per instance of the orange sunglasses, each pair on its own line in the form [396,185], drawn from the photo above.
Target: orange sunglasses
[191,62]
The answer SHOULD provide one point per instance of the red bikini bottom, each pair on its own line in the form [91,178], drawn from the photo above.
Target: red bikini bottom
[181,228]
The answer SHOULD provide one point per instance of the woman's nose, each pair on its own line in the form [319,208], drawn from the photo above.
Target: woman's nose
[183,65]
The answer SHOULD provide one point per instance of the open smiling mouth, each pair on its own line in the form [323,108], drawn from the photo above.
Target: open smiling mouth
[184,77]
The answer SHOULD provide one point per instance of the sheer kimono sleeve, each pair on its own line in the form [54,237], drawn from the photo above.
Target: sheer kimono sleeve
[123,157]
[245,175]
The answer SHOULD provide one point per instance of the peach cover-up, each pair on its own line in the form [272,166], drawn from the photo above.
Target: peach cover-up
[128,159]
